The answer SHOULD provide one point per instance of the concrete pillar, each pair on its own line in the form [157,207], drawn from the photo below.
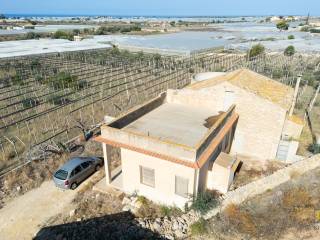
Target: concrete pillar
[107,161]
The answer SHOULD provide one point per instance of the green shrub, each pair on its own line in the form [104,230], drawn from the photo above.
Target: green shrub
[58,100]
[29,103]
[17,80]
[63,35]
[204,202]
[142,200]
[291,37]
[199,227]
[282,25]
[256,50]
[63,80]
[32,35]
[35,64]
[289,51]
[315,30]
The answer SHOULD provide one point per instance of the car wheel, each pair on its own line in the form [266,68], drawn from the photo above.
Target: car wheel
[98,167]
[74,186]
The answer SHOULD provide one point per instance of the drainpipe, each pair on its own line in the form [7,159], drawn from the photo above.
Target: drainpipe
[296,90]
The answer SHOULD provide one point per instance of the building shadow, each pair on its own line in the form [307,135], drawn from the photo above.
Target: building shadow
[110,227]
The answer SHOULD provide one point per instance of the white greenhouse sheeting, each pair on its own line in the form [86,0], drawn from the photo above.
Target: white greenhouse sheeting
[29,47]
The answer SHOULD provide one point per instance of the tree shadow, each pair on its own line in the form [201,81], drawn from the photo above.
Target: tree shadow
[112,227]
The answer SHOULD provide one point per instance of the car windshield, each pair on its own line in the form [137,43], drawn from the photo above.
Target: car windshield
[61,174]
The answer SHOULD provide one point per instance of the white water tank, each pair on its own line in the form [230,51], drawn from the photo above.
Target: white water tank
[206,75]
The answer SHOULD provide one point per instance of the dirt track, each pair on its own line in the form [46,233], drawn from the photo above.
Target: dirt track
[22,217]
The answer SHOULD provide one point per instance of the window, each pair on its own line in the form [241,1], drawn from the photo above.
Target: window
[76,171]
[61,174]
[181,186]
[85,165]
[147,176]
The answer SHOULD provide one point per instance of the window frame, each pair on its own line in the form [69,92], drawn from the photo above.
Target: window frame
[142,178]
[184,195]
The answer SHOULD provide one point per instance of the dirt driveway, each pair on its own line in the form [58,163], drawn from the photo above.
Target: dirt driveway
[23,217]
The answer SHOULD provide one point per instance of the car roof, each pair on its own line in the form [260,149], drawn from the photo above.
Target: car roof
[73,162]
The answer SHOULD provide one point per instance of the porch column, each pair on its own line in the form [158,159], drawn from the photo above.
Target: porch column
[107,161]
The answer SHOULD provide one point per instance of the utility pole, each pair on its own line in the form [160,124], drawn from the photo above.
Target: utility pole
[307,21]
[296,90]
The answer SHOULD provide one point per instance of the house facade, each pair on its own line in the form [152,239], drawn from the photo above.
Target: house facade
[167,147]
[265,129]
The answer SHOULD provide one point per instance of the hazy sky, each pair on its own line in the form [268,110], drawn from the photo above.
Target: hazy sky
[162,7]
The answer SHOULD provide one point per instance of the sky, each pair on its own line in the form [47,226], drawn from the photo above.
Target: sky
[162,7]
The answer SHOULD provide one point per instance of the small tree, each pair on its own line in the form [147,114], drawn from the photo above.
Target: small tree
[291,37]
[32,35]
[282,25]
[256,50]
[289,51]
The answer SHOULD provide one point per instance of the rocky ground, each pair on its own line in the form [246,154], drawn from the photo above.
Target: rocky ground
[131,217]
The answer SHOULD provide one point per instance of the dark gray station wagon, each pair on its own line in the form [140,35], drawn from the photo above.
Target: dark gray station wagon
[76,170]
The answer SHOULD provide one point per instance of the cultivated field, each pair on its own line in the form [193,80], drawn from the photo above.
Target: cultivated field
[48,100]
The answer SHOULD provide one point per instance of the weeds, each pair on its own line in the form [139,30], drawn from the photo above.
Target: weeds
[205,201]
[295,198]
[170,211]
[241,219]
[199,228]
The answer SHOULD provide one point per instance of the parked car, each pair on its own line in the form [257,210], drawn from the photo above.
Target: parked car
[76,170]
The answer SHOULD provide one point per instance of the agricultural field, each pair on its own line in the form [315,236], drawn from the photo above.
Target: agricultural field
[48,100]
[54,98]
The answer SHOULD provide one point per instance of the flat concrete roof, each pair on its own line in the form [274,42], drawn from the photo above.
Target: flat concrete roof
[174,122]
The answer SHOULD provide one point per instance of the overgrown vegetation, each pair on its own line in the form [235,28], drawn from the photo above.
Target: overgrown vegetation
[291,37]
[282,25]
[289,208]
[150,209]
[104,30]
[30,102]
[290,51]
[240,219]
[256,50]
[63,35]
[199,228]
[63,80]
[205,201]
[32,35]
